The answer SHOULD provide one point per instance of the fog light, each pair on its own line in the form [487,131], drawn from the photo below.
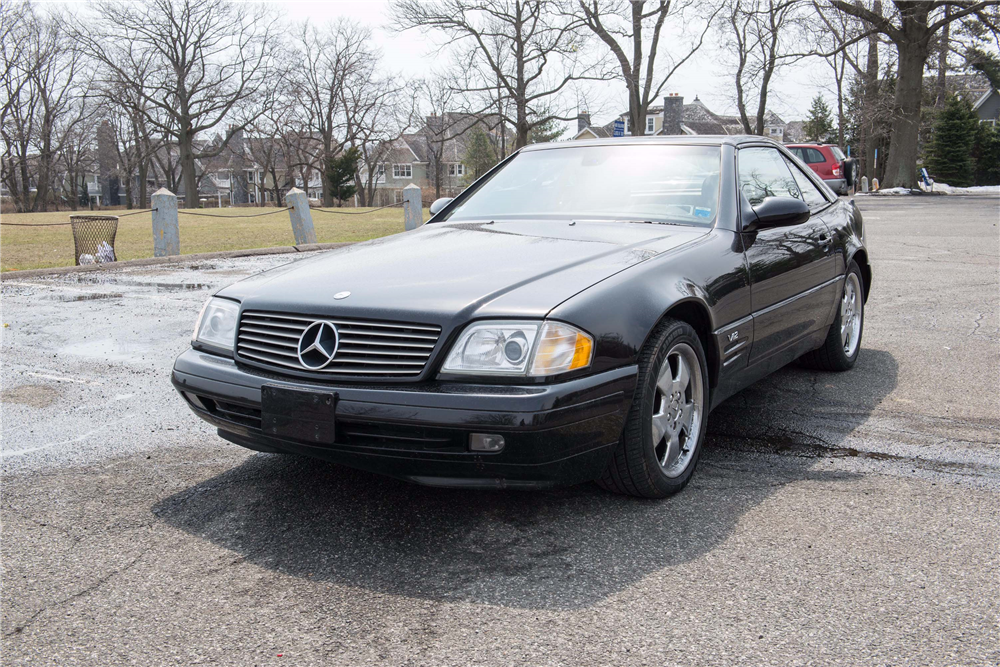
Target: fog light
[485,442]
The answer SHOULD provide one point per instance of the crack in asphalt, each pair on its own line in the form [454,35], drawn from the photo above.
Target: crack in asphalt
[94,586]
[782,445]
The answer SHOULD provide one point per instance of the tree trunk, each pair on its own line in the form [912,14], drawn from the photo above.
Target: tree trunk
[143,174]
[327,154]
[869,101]
[188,177]
[359,187]
[900,170]
[942,64]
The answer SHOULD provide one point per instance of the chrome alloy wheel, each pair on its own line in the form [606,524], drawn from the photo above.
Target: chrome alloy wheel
[677,409]
[851,311]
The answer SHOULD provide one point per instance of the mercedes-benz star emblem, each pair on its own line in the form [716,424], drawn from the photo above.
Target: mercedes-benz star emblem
[318,345]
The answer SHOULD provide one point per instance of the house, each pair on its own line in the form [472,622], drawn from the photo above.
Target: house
[987,107]
[435,155]
[674,117]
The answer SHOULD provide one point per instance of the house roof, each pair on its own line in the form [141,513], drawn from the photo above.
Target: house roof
[680,140]
[985,96]
[696,118]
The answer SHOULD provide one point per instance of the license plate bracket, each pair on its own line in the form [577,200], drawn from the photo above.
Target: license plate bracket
[306,415]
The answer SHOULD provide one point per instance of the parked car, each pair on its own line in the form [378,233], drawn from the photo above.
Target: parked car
[829,163]
[574,315]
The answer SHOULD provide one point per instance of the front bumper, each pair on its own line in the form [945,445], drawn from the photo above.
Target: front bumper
[555,434]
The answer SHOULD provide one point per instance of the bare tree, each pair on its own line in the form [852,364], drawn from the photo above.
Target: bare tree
[524,51]
[45,91]
[624,26]
[18,110]
[205,61]
[380,112]
[77,159]
[265,147]
[762,36]
[911,28]
[126,106]
[328,57]
[437,95]
[852,50]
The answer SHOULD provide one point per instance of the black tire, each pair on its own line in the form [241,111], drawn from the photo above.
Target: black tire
[832,356]
[634,468]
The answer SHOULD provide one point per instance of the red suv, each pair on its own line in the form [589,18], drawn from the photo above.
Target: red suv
[827,161]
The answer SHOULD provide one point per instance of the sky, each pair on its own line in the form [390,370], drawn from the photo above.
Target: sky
[412,53]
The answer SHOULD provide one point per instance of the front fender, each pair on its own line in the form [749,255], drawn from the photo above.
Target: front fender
[621,311]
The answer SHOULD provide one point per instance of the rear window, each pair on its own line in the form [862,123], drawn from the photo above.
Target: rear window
[837,153]
[813,156]
[808,155]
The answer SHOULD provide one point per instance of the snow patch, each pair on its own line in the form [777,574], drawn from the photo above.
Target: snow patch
[938,188]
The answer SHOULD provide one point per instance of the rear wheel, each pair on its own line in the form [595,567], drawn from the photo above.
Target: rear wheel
[843,341]
[666,424]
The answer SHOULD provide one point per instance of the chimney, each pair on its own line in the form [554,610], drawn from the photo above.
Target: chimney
[582,121]
[673,114]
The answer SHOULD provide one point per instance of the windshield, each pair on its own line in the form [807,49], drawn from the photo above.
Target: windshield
[654,183]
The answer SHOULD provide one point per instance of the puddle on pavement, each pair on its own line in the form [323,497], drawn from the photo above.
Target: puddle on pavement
[179,287]
[32,395]
[121,281]
[88,297]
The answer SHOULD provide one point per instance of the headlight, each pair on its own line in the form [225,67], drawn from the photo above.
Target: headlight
[216,324]
[519,348]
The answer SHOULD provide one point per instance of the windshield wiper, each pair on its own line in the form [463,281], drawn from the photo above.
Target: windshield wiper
[657,222]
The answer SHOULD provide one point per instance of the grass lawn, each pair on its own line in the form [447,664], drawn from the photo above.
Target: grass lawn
[26,248]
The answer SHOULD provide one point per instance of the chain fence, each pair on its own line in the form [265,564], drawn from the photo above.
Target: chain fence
[64,224]
[336,212]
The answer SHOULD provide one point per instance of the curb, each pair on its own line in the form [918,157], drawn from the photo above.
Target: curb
[173,259]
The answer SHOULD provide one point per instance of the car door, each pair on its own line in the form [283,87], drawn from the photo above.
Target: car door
[792,269]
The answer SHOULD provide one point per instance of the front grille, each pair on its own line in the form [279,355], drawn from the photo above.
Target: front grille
[367,347]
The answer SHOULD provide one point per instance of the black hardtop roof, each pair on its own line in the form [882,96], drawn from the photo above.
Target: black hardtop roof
[672,140]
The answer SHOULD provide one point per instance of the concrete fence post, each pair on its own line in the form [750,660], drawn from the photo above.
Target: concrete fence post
[864,184]
[302,220]
[166,235]
[413,207]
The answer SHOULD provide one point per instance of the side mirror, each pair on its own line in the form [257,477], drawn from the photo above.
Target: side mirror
[779,212]
[439,204]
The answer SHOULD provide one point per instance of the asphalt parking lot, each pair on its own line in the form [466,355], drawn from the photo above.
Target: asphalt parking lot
[835,519]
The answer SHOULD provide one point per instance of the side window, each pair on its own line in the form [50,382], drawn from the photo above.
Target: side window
[810,193]
[797,152]
[763,173]
[813,156]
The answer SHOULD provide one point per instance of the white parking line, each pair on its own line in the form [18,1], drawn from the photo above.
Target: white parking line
[63,378]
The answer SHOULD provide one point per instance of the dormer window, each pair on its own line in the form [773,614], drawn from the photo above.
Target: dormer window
[650,124]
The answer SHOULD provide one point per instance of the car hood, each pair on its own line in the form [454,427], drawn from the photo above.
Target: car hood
[452,272]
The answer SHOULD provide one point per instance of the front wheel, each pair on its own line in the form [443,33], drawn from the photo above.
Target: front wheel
[666,423]
[843,341]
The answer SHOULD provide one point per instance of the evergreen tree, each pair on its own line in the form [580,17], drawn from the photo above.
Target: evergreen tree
[550,130]
[479,154]
[819,125]
[340,173]
[950,153]
[986,155]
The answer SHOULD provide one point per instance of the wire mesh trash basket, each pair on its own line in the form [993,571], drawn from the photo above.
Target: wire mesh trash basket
[94,238]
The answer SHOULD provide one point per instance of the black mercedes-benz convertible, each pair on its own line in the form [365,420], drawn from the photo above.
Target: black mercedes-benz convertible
[573,315]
